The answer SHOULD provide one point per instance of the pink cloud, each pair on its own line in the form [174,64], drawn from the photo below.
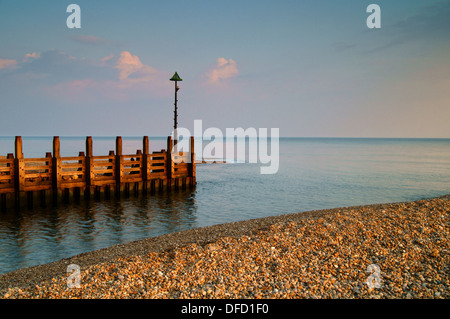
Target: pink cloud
[6,63]
[33,55]
[134,80]
[89,39]
[88,90]
[224,69]
[133,70]
[106,58]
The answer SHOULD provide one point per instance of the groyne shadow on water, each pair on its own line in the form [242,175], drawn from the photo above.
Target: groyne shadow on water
[45,234]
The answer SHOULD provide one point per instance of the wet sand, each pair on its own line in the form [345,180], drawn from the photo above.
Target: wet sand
[317,254]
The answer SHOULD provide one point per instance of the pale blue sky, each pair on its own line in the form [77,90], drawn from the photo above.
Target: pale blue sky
[309,68]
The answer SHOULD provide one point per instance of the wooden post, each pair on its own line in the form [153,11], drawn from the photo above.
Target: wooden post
[119,145]
[192,164]
[89,163]
[56,147]
[18,147]
[89,148]
[119,161]
[56,164]
[170,167]
[19,165]
[145,157]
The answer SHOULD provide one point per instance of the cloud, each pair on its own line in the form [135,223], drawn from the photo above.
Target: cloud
[133,70]
[58,66]
[342,46]
[89,39]
[431,24]
[431,21]
[224,69]
[59,75]
[6,63]
[114,78]
[105,59]
[33,55]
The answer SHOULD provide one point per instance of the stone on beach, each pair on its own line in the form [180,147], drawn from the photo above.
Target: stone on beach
[323,254]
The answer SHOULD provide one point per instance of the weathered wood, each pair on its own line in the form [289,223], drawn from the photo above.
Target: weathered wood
[192,165]
[28,180]
[18,147]
[145,161]
[89,146]
[118,145]
[19,165]
[132,169]
[162,161]
[89,164]
[38,175]
[169,170]
[71,165]
[104,171]
[43,160]
[56,147]
[56,163]
[73,158]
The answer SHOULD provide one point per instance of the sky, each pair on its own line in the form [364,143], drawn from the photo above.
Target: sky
[311,68]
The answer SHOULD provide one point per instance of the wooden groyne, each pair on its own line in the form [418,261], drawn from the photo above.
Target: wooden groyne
[32,181]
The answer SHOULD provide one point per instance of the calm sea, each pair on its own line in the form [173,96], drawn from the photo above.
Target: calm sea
[314,173]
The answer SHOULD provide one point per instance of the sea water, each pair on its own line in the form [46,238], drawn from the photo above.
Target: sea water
[314,173]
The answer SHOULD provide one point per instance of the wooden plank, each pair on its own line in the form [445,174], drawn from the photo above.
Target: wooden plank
[151,162]
[74,165]
[37,168]
[74,158]
[181,164]
[37,159]
[132,169]
[104,171]
[137,157]
[132,164]
[132,179]
[5,177]
[103,157]
[38,175]
[72,173]
[37,188]
[8,189]
[157,167]
[37,184]
[100,182]
[72,184]
[156,175]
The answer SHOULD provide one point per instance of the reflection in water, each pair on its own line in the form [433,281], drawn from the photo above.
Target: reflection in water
[315,173]
[31,237]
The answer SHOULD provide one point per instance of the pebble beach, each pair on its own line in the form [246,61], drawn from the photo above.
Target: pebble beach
[396,250]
